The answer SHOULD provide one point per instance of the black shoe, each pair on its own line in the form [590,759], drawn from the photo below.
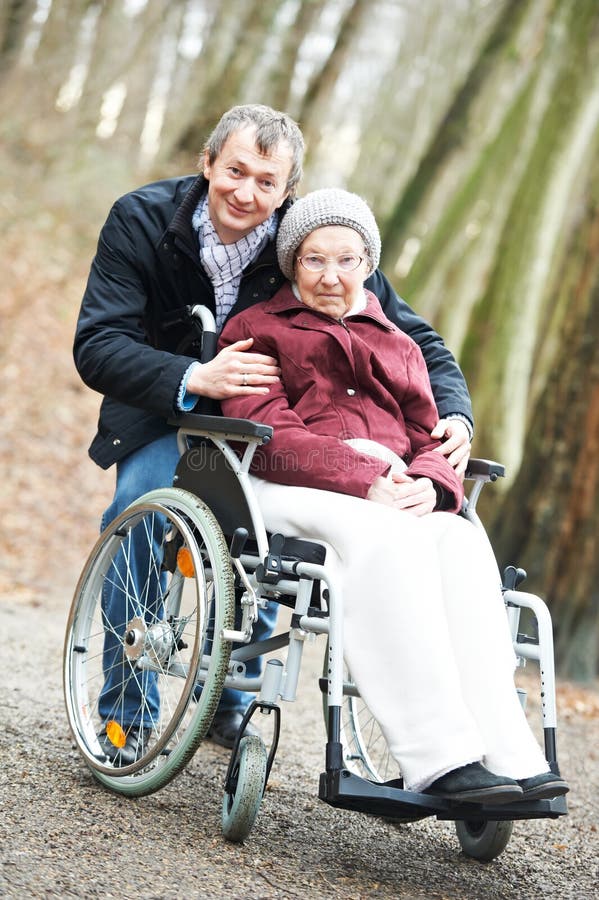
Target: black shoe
[543,787]
[225,726]
[134,749]
[475,784]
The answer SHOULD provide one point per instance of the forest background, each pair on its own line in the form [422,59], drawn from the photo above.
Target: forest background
[470,126]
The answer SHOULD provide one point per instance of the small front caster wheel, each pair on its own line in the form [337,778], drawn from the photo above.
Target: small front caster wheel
[482,839]
[248,780]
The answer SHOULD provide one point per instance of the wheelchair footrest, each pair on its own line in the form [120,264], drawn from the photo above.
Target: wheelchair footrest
[342,789]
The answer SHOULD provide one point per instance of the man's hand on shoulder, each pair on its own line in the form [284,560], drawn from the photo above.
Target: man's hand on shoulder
[456,443]
[234,372]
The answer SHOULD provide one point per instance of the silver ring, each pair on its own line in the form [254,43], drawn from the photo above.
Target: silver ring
[245,379]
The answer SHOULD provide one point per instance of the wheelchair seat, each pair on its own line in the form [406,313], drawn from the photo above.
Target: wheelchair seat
[206,472]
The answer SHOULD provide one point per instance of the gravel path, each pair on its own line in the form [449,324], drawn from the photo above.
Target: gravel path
[63,835]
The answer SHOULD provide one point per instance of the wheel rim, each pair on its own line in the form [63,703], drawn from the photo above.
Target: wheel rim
[475,827]
[162,646]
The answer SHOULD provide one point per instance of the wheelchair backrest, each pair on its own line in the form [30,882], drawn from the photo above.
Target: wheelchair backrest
[205,471]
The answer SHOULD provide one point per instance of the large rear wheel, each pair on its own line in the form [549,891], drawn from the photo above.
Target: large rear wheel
[143,646]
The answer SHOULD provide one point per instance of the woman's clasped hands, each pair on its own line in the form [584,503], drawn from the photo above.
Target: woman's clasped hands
[401,491]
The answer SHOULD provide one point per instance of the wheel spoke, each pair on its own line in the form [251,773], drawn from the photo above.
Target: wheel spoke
[137,631]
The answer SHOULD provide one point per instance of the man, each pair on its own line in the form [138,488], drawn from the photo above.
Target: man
[211,240]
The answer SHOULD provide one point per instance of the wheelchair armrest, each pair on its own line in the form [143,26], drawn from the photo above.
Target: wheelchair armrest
[238,429]
[481,471]
[484,470]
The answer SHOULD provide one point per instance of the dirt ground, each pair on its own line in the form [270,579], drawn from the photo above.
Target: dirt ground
[61,833]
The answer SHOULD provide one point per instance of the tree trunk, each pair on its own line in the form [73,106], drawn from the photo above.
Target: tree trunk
[42,57]
[228,56]
[282,75]
[548,521]
[13,17]
[320,89]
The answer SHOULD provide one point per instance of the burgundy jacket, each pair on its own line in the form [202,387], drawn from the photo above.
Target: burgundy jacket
[358,377]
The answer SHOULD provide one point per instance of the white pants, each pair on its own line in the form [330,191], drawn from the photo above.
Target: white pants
[426,636]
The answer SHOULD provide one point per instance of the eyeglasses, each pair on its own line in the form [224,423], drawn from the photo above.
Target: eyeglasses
[314,262]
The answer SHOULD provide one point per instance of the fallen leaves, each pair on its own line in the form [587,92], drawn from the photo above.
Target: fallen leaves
[577,700]
[52,495]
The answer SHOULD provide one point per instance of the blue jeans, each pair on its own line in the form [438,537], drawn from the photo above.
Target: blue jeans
[147,469]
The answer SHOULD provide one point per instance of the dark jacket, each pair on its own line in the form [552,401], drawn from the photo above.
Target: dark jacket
[129,343]
[357,378]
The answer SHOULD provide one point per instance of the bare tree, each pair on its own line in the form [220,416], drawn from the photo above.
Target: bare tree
[548,520]
[225,66]
[282,75]
[485,233]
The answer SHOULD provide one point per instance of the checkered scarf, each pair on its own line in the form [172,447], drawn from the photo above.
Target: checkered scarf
[224,263]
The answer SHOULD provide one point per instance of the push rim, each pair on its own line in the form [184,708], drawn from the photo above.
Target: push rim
[170,637]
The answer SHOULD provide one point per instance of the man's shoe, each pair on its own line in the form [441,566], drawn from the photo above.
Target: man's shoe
[543,787]
[475,784]
[225,726]
[134,748]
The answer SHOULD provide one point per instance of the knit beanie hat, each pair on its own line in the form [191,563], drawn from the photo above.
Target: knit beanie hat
[328,206]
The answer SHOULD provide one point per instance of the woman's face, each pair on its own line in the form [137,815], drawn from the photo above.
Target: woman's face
[334,289]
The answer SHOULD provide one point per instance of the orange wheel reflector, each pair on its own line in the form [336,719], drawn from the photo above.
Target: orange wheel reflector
[115,734]
[185,562]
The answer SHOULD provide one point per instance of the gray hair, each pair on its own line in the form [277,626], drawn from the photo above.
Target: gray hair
[271,126]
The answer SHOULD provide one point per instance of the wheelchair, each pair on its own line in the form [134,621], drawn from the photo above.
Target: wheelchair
[208,556]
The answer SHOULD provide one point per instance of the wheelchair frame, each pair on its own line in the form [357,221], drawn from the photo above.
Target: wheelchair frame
[279,569]
[273,575]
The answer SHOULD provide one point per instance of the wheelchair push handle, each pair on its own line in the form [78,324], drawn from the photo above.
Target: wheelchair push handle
[209,333]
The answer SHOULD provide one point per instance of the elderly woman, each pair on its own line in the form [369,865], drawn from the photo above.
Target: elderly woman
[352,463]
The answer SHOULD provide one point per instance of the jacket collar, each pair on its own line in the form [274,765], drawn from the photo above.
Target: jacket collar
[286,302]
[180,226]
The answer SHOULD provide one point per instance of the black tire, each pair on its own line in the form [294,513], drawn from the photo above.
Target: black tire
[167,650]
[483,839]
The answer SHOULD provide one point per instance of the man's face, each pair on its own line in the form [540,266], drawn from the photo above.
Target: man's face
[245,186]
